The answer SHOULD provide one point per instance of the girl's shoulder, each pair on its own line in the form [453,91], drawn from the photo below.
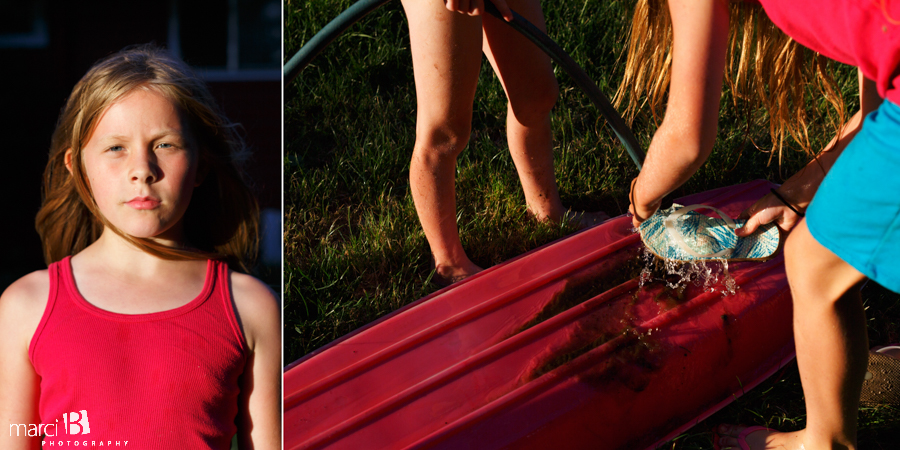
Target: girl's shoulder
[28,292]
[258,309]
[22,305]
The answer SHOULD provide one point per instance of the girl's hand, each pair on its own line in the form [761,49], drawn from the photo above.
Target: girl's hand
[640,212]
[476,7]
[767,210]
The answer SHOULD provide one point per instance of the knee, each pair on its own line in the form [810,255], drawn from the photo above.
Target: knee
[447,139]
[814,274]
[533,105]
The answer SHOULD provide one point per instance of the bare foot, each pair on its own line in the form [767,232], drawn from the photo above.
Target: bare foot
[447,274]
[757,438]
[585,219]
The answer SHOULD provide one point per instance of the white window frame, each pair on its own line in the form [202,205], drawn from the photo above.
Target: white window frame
[232,70]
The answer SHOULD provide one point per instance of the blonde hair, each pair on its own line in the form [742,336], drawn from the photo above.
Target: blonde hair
[766,68]
[222,219]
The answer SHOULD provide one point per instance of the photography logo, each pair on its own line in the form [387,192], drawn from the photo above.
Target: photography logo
[69,432]
[75,423]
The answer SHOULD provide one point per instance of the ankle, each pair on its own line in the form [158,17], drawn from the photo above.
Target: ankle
[445,275]
[548,213]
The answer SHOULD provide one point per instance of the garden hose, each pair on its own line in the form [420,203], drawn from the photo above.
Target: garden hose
[359,9]
[556,53]
[327,34]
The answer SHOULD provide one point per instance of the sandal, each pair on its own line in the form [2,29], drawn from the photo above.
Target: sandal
[882,382]
[741,437]
[681,234]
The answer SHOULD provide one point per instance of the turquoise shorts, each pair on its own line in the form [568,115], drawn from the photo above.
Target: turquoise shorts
[856,211]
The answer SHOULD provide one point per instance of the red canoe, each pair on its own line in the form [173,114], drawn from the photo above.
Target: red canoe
[558,348]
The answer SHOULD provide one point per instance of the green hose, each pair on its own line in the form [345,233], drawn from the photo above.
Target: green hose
[615,121]
[327,34]
[359,9]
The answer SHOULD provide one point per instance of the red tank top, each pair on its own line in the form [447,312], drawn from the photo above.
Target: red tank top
[161,380]
[862,33]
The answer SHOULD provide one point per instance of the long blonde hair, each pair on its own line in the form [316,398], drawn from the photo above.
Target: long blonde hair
[766,68]
[222,219]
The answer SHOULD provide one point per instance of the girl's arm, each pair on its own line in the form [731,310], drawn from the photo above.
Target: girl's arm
[259,417]
[21,308]
[801,187]
[685,138]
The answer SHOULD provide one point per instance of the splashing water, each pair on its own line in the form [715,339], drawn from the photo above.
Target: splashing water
[710,275]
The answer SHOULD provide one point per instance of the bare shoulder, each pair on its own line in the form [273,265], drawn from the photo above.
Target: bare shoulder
[27,293]
[23,303]
[258,309]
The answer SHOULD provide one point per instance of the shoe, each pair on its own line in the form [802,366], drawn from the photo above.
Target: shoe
[681,234]
[882,382]
[742,437]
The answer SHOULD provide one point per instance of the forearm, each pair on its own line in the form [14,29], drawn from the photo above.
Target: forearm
[673,157]
[799,190]
[802,186]
[685,139]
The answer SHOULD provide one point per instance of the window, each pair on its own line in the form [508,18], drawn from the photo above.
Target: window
[23,25]
[228,39]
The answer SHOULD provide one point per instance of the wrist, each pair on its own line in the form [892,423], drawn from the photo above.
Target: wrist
[642,210]
[789,203]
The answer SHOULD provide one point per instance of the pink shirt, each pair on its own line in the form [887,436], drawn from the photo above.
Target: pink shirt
[862,33]
[160,380]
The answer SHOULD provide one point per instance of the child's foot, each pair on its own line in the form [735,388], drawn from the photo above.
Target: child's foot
[584,219]
[755,438]
[446,274]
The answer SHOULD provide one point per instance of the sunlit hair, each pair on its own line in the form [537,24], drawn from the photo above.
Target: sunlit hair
[222,219]
[765,68]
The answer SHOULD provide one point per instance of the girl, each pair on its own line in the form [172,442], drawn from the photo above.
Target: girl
[446,48]
[138,334]
[826,259]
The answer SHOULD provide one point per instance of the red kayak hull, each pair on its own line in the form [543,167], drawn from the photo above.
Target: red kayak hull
[505,359]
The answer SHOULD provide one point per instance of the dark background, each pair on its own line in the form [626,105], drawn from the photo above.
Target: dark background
[47,46]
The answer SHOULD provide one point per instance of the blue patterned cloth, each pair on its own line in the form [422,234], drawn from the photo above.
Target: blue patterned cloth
[705,236]
[856,211]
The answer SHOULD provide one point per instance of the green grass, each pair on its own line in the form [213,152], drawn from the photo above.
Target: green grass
[354,250]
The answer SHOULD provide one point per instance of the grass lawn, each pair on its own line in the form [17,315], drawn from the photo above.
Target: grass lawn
[354,250]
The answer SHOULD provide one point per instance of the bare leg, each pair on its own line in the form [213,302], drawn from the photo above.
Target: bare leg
[832,348]
[527,77]
[446,51]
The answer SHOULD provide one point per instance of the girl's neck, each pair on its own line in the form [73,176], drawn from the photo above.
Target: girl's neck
[114,251]
[116,276]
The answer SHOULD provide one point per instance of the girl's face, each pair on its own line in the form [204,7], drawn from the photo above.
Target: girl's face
[141,165]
